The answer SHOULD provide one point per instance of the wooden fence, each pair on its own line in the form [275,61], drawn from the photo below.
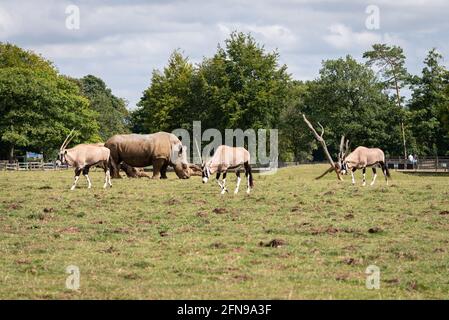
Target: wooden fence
[422,164]
[30,166]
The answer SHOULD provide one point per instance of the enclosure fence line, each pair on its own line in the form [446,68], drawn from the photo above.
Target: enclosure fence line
[31,166]
[422,164]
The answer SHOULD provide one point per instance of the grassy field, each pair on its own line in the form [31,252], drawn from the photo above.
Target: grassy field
[170,239]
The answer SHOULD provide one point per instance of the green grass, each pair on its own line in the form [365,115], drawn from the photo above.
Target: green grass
[147,239]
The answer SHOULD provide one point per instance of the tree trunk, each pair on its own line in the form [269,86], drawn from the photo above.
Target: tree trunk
[11,157]
[398,98]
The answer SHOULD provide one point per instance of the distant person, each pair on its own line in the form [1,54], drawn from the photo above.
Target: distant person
[410,158]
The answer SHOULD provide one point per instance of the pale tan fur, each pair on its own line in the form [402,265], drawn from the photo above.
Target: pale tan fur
[226,158]
[363,157]
[84,156]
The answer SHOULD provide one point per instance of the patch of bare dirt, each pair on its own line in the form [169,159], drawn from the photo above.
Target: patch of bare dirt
[242,277]
[375,230]
[219,210]
[392,281]
[48,210]
[444,213]
[275,243]
[328,230]
[121,230]
[352,261]
[218,245]
[173,202]
[202,214]
[296,209]
[164,233]
[110,249]
[14,206]
[349,216]
[342,277]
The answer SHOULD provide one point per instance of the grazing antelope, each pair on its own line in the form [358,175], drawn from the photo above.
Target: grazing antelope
[361,158]
[226,158]
[84,156]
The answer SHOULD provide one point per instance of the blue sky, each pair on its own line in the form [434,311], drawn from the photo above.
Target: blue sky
[123,41]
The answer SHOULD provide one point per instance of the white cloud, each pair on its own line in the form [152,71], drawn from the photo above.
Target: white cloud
[7,25]
[123,41]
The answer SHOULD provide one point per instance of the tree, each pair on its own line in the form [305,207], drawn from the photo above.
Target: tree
[391,63]
[430,107]
[294,138]
[244,84]
[112,114]
[38,107]
[241,86]
[165,105]
[348,100]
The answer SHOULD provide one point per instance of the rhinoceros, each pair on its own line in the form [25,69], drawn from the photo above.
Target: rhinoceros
[159,149]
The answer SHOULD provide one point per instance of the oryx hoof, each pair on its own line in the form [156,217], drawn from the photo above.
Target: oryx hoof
[236,191]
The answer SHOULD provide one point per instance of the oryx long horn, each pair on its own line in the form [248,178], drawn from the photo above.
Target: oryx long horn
[66,141]
[199,152]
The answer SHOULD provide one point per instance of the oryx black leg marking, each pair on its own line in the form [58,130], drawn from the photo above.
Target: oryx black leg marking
[364,176]
[77,176]
[384,167]
[374,175]
[224,189]
[107,175]
[86,174]
[238,181]
[218,180]
[352,175]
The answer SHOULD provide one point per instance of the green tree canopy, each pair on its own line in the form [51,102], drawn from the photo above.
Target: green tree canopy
[347,99]
[430,107]
[241,86]
[112,114]
[38,106]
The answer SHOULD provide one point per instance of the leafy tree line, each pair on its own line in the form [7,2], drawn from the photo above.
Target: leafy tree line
[241,86]
[244,86]
[39,106]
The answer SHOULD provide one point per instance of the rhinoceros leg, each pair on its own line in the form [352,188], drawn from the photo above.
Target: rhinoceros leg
[164,170]
[157,165]
[114,168]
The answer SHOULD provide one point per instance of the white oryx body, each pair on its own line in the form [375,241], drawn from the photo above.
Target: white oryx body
[226,158]
[84,156]
[363,157]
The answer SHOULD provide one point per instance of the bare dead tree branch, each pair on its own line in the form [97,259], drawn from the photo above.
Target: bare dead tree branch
[323,143]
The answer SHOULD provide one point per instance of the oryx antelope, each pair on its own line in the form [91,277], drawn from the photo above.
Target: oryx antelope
[84,156]
[361,158]
[226,158]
